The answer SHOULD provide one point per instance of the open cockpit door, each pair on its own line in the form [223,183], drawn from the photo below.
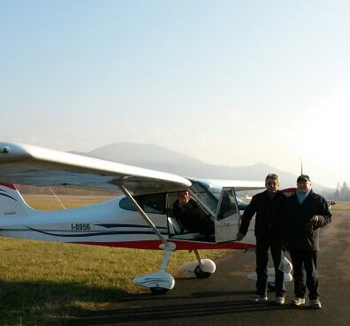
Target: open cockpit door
[227,217]
[218,197]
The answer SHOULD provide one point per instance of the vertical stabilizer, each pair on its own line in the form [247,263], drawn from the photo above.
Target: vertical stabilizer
[12,203]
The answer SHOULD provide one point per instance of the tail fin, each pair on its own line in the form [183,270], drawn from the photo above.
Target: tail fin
[12,203]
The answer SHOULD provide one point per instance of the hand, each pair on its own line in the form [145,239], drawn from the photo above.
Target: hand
[313,222]
[240,236]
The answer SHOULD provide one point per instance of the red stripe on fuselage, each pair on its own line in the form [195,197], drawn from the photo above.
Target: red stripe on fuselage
[9,185]
[180,244]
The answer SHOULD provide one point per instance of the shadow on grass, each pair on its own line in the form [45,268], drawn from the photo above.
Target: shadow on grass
[38,303]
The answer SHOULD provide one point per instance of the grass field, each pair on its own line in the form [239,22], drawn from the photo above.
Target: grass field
[43,281]
[341,205]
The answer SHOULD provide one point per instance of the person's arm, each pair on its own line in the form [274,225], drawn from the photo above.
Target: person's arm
[323,217]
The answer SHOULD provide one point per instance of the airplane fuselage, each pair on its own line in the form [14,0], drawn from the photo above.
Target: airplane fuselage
[113,223]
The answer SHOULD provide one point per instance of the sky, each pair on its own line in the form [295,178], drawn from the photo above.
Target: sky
[231,82]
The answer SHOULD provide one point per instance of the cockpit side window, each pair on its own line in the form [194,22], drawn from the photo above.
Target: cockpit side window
[126,204]
[207,193]
[228,206]
[153,203]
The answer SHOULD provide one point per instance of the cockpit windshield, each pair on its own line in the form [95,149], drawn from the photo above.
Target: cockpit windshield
[207,193]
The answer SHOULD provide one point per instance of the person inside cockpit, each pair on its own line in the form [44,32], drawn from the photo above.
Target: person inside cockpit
[191,216]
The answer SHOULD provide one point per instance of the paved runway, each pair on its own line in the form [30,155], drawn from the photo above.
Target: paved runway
[223,299]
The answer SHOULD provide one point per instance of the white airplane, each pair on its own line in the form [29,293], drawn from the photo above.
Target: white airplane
[142,218]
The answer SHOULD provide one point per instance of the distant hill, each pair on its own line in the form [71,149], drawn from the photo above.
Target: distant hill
[159,158]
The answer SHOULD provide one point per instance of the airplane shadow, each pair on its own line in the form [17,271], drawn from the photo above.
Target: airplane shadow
[174,311]
[148,296]
[21,301]
[26,301]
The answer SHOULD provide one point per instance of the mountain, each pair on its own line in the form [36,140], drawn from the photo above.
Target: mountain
[159,158]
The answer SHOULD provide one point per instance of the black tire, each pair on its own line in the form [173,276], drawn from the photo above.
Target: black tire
[200,273]
[158,290]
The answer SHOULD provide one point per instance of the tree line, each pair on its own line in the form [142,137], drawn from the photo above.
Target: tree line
[341,193]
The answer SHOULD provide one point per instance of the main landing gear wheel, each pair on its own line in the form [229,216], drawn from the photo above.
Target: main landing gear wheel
[200,273]
[158,290]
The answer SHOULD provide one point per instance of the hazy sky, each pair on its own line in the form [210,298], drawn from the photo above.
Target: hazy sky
[228,82]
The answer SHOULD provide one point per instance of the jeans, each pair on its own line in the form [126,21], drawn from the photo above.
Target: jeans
[305,261]
[262,258]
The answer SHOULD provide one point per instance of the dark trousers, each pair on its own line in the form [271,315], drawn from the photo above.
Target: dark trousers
[305,261]
[262,259]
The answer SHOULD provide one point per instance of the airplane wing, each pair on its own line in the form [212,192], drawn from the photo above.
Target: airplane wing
[31,165]
[239,185]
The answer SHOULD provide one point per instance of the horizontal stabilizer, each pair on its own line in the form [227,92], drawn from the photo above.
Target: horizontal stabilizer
[286,267]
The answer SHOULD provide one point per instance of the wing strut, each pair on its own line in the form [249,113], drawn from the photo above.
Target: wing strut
[145,217]
[160,282]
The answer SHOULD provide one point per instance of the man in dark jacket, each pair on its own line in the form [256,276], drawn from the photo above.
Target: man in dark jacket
[268,207]
[305,213]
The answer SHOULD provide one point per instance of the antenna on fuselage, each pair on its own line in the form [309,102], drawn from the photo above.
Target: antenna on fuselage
[301,166]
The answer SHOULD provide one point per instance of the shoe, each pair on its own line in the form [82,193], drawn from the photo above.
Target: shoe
[315,304]
[280,300]
[297,302]
[258,298]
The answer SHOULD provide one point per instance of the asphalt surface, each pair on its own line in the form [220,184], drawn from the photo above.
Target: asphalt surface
[223,299]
